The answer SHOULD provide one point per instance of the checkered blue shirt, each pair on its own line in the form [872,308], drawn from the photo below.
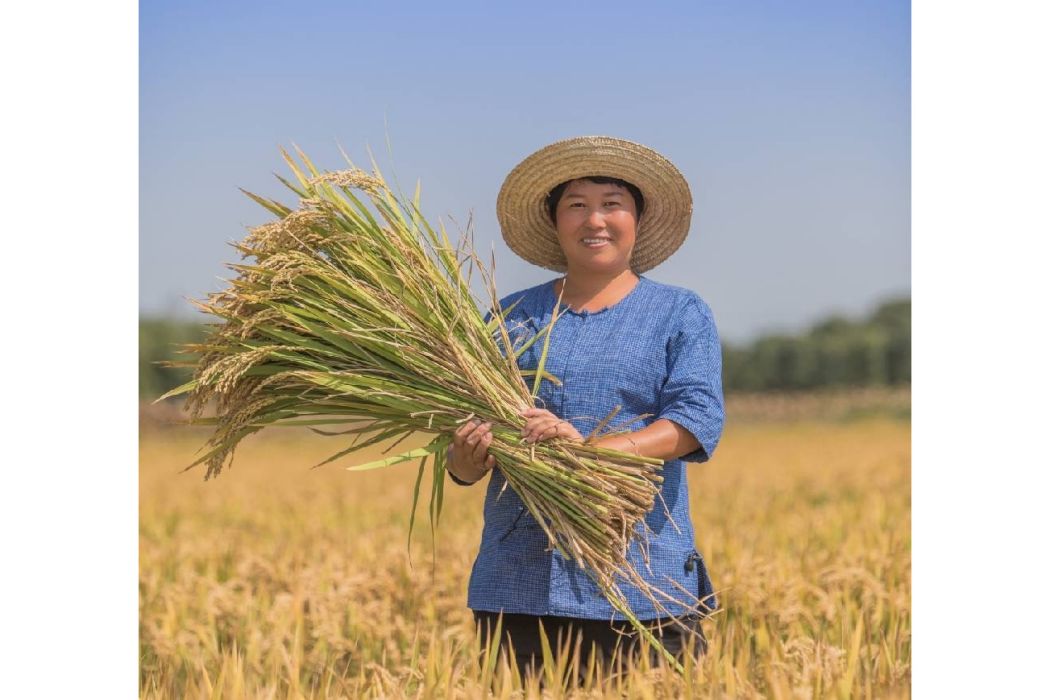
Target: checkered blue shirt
[655,351]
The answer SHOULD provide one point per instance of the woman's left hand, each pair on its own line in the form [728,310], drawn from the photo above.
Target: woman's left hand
[541,424]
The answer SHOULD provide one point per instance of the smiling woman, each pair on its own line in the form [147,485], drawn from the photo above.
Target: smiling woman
[596,224]
[603,211]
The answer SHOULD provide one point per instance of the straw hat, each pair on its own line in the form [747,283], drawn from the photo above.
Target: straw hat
[522,207]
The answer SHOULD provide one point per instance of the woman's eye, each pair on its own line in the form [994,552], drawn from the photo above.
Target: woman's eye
[612,204]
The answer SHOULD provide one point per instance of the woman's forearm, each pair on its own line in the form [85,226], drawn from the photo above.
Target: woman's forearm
[663,439]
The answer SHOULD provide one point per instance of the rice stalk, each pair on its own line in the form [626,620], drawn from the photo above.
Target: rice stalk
[353,311]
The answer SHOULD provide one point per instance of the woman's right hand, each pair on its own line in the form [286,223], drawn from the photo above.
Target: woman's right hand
[469,456]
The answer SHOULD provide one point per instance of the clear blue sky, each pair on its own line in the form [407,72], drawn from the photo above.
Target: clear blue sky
[790,120]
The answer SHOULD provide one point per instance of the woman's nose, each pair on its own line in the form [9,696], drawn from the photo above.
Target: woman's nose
[596,220]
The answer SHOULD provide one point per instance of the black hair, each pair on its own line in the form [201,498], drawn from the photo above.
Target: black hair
[554,196]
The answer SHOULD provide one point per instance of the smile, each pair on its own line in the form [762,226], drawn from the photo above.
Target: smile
[595,242]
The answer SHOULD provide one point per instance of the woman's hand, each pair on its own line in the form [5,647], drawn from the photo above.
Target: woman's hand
[541,424]
[468,454]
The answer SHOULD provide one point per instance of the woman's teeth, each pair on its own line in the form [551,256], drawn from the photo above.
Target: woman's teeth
[595,242]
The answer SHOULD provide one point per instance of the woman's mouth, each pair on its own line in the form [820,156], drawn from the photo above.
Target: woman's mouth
[595,242]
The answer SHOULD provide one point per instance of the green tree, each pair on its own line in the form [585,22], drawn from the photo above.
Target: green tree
[836,352]
[895,318]
[159,342]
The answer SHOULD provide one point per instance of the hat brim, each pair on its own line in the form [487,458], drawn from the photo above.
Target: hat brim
[521,206]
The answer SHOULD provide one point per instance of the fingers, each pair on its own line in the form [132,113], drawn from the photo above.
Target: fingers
[462,443]
[541,428]
[541,424]
[471,443]
[468,455]
[477,435]
[548,432]
[530,412]
[481,448]
[464,431]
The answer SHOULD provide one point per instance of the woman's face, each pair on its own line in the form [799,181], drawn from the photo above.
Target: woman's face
[596,226]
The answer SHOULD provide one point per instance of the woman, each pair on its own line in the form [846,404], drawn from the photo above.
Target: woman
[603,211]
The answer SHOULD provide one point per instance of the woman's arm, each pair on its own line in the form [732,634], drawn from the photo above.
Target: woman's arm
[663,439]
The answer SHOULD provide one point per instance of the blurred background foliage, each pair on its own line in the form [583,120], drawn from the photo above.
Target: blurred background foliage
[834,353]
[160,340]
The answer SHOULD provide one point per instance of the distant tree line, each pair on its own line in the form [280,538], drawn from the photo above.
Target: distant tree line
[837,352]
[159,341]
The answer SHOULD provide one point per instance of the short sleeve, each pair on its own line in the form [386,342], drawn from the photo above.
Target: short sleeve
[692,394]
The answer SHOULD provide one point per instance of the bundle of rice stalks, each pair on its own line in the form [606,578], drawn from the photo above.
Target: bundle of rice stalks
[363,317]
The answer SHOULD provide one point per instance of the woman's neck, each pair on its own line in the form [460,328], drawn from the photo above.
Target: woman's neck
[594,292]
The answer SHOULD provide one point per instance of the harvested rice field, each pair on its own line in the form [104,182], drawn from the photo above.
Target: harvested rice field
[276,580]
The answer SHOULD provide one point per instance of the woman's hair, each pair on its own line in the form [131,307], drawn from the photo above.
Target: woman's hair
[554,196]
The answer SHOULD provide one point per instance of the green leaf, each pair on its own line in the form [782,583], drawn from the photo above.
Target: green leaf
[390,461]
[528,343]
[437,491]
[548,657]
[303,180]
[492,654]
[545,375]
[384,435]
[188,386]
[439,476]
[434,446]
[272,206]
[302,157]
[415,502]
[499,315]
[287,183]
[546,347]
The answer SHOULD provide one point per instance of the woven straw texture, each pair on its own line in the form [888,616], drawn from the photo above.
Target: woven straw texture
[522,211]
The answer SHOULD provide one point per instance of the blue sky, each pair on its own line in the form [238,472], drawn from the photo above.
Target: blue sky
[790,121]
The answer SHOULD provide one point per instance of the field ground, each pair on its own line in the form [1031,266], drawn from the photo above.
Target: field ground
[277,580]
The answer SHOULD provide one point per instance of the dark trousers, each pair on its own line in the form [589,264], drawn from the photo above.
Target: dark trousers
[612,640]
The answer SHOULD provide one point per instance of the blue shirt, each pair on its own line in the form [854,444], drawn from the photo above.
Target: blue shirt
[656,351]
